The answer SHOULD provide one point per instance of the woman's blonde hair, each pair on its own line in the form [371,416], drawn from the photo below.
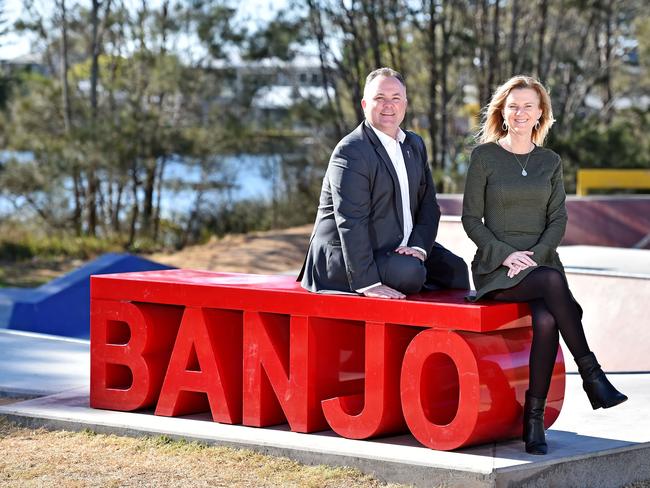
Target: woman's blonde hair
[492,128]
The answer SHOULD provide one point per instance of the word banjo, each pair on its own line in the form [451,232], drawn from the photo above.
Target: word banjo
[260,351]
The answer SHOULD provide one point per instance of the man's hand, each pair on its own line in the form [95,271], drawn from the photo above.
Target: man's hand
[383,291]
[518,261]
[409,251]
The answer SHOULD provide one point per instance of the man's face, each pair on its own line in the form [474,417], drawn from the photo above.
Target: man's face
[384,104]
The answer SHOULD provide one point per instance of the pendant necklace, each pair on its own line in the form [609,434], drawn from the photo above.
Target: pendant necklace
[523,167]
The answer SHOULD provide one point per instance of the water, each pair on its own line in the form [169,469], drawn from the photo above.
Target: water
[247,177]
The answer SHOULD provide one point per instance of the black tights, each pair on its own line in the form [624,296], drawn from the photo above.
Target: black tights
[553,310]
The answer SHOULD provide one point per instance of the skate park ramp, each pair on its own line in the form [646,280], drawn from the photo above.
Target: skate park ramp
[62,306]
[601,220]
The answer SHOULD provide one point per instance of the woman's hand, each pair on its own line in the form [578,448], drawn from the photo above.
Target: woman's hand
[518,261]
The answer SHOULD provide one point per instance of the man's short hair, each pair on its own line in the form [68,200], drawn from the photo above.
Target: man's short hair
[384,72]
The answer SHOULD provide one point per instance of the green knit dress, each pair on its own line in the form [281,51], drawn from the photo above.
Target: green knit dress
[504,212]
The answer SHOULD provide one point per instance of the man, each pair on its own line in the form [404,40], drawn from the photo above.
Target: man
[378,215]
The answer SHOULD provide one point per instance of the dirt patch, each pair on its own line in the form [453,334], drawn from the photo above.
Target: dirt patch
[270,252]
[35,272]
[41,458]
[8,400]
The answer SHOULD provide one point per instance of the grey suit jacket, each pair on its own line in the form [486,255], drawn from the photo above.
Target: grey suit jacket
[360,212]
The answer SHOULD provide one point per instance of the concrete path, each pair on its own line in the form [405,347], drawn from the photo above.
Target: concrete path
[603,448]
[596,260]
[37,364]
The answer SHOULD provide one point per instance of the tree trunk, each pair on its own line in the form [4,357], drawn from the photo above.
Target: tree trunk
[607,75]
[117,208]
[399,37]
[493,65]
[135,210]
[159,188]
[551,60]
[543,19]
[65,87]
[316,23]
[147,201]
[447,24]
[390,23]
[483,86]
[96,42]
[514,24]
[67,118]
[433,81]
[93,183]
[375,43]
[358,66]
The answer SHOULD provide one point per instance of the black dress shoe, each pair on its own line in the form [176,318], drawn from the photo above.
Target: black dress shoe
[534,425]
[600,391]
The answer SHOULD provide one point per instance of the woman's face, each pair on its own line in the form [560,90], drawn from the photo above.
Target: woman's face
[521,110]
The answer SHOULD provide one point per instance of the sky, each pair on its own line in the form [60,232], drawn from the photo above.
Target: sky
[12,46]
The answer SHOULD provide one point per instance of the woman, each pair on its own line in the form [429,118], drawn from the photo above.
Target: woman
[514,211]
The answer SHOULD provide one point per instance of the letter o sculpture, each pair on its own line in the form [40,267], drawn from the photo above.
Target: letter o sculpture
[461,388]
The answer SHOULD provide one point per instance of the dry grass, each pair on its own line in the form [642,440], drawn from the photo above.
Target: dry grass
[61,459]
[269,252]
[6,400]
[40,458]
[34,272]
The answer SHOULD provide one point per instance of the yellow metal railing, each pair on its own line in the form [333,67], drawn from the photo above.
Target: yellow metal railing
[610,179]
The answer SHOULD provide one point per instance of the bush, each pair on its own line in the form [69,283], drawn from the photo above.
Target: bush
[25,246]
[623,144]
[15,251]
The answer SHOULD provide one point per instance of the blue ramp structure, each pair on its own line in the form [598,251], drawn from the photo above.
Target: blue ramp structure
[62,306]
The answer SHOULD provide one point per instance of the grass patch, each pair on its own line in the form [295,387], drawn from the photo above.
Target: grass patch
[26,242]
[35,272]
[59,458]
[31,256]
[6,400]
[41,458]
[29,246]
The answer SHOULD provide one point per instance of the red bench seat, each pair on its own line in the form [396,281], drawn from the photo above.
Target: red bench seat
[259,350]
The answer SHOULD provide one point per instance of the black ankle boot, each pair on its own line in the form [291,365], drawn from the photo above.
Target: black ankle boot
[534,425]
[600,391]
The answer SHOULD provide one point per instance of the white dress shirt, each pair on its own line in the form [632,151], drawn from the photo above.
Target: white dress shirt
[394,150]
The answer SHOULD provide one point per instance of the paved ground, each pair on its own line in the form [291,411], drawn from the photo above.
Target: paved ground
[596,260]
[606,260]
[38,364]
[605,447]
